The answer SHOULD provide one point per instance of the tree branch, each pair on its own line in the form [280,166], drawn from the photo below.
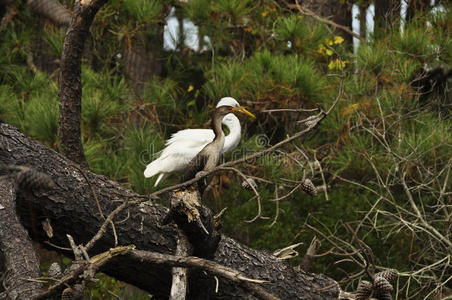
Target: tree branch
[70,84]
[20,259]
[211,266]
[71,209]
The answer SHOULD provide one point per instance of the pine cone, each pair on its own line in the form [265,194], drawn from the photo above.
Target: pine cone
[248,183]
[389,274]
[75,293]
[308,187]
[382,288]
[364,290]
[55,270]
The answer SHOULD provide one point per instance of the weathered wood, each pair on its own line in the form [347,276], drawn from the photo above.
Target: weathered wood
[179,284]
[71,209]
[19,258]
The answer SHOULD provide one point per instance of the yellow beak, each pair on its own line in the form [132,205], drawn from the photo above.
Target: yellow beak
[243,110]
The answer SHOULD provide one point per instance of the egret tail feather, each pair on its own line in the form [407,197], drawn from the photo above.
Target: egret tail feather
[160,178]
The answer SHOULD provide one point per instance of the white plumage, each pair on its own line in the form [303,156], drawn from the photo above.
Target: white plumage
[185,144]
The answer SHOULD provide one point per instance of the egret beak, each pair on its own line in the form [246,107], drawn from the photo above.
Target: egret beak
[243,110]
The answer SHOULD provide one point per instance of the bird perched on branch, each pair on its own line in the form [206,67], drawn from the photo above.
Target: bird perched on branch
[184,145]
[208,157]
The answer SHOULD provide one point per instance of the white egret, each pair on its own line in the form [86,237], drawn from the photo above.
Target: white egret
[184,145]
[209,156]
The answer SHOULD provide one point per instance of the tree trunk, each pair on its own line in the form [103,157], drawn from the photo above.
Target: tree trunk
[336,11]
[416,7]
[363,21]
[18,258]
[72,209]
[387,15]
[70,84]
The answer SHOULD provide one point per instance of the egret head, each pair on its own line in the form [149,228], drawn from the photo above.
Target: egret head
[231,102]
[227,109]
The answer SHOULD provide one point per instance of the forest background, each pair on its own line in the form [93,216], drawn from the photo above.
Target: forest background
[381,159]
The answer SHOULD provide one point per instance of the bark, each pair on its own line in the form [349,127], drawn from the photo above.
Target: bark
[363,21]
[70,84]
[337,11]
[19,259]
[416,7]
[387,15]
[72,209]
[141,64]
[179,284]
[51,10]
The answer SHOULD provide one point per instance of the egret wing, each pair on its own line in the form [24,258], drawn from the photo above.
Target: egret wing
[192,137]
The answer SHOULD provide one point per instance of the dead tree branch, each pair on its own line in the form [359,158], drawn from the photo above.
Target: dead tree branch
[179,283]
[213,267]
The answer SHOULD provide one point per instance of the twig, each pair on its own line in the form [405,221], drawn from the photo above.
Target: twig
[335,244]
[95,263]
[110,217]
[258,196]
[419,215]
[99,208]
[286,195]
[308,12]
[277,208]
[289,110]
[325,190]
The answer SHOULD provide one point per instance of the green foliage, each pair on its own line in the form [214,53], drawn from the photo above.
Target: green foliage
[232,11]
[16,40]
[10,108]
[267,76]
[299,33]
[142,10]
[197,10]
[372,58]
[414,42]
[101,101]
[139,146]
[54,37]
[163,93]
[41,118]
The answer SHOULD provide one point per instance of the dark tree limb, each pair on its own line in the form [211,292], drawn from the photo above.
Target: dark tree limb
[192,218]
[19,258]
[52,10]
[70,85]
[71,209]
